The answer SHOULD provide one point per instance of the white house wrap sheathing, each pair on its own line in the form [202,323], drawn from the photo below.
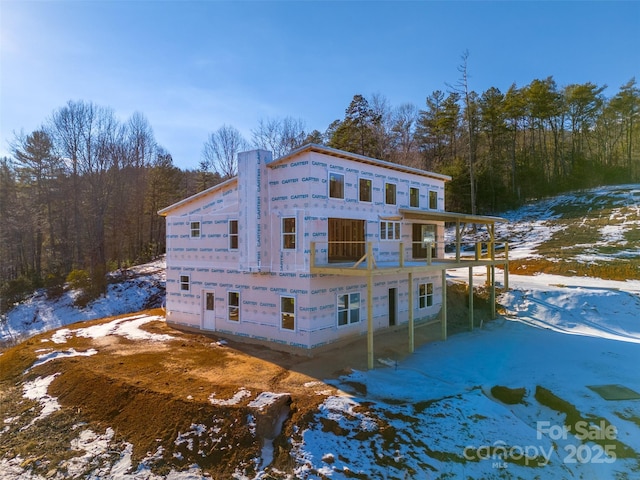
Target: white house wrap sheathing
[206,277]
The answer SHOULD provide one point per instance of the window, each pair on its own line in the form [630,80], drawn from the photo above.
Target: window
[414,197]
[389,230]
[195,229]
[289,233]
[390,193]
[348,308]
[233,306]
[425,295]
[346,239]
[210,301]
[288,313]
[336,185]
[185,283]
[365,190]
[422,236]
[233,234]
[433,200]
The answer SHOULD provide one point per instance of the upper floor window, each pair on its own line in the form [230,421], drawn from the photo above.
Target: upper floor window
[288,313]
[390,193]
[433,200]
[389,230]
[289,233]
[365,190]
[195,229]
[336,185]
[414,197]
[233,234]
[185,283]
[233,306]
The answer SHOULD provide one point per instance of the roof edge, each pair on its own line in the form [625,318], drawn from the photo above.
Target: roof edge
[452,216]
[314,147]
[163,212]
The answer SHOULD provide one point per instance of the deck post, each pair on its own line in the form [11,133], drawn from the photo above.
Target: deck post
[411,326]
[312,256]
[458,241]
[401,253]
[428,253]
[488,282]
[370,306]
[493,291]
[506,266]
[370,321]
[443,321]
[470,298]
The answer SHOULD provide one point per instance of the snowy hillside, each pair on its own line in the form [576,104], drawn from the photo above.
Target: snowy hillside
[138,288]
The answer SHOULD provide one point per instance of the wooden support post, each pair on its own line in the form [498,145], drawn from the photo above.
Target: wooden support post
[506,266]
[493,291]
[443,321]
[488,282]
[401,253]
[492,256]
[370,306]
[470,298]
[458,241]
[312,258]
[370,321]
[428,253]
[411,309]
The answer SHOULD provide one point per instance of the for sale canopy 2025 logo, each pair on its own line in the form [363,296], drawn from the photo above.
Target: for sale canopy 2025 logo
[595,450]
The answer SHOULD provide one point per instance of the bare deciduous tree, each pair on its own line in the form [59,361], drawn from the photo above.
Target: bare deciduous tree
[221,149]
[280,136]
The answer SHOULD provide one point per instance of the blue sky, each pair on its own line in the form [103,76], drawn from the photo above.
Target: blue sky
[191,67]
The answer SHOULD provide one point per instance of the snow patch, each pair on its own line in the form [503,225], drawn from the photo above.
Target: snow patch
[237,398]
[37,390]
[265,399]
[48,357]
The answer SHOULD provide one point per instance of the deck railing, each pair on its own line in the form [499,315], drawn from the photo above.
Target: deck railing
[356,253]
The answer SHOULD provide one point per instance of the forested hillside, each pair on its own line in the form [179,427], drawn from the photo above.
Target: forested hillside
[79,196]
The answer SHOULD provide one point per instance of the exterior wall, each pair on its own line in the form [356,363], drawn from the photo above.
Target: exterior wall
[300,189]
[262,271]
[316,321]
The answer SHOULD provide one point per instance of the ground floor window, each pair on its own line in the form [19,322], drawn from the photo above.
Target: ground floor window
[425,295]
[185,283]
[288,313]
[348,308]
[233,306]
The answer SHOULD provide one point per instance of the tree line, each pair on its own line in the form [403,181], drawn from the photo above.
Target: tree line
[80,195]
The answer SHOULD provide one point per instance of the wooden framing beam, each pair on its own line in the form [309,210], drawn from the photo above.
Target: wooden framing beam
[411,308]
[471,298]
[443,321]
[370,307]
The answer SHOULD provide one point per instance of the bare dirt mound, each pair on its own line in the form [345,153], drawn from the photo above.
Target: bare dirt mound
[173,399]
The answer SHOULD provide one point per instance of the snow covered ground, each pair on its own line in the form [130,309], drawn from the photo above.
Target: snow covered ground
[435,414]
[40,314]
